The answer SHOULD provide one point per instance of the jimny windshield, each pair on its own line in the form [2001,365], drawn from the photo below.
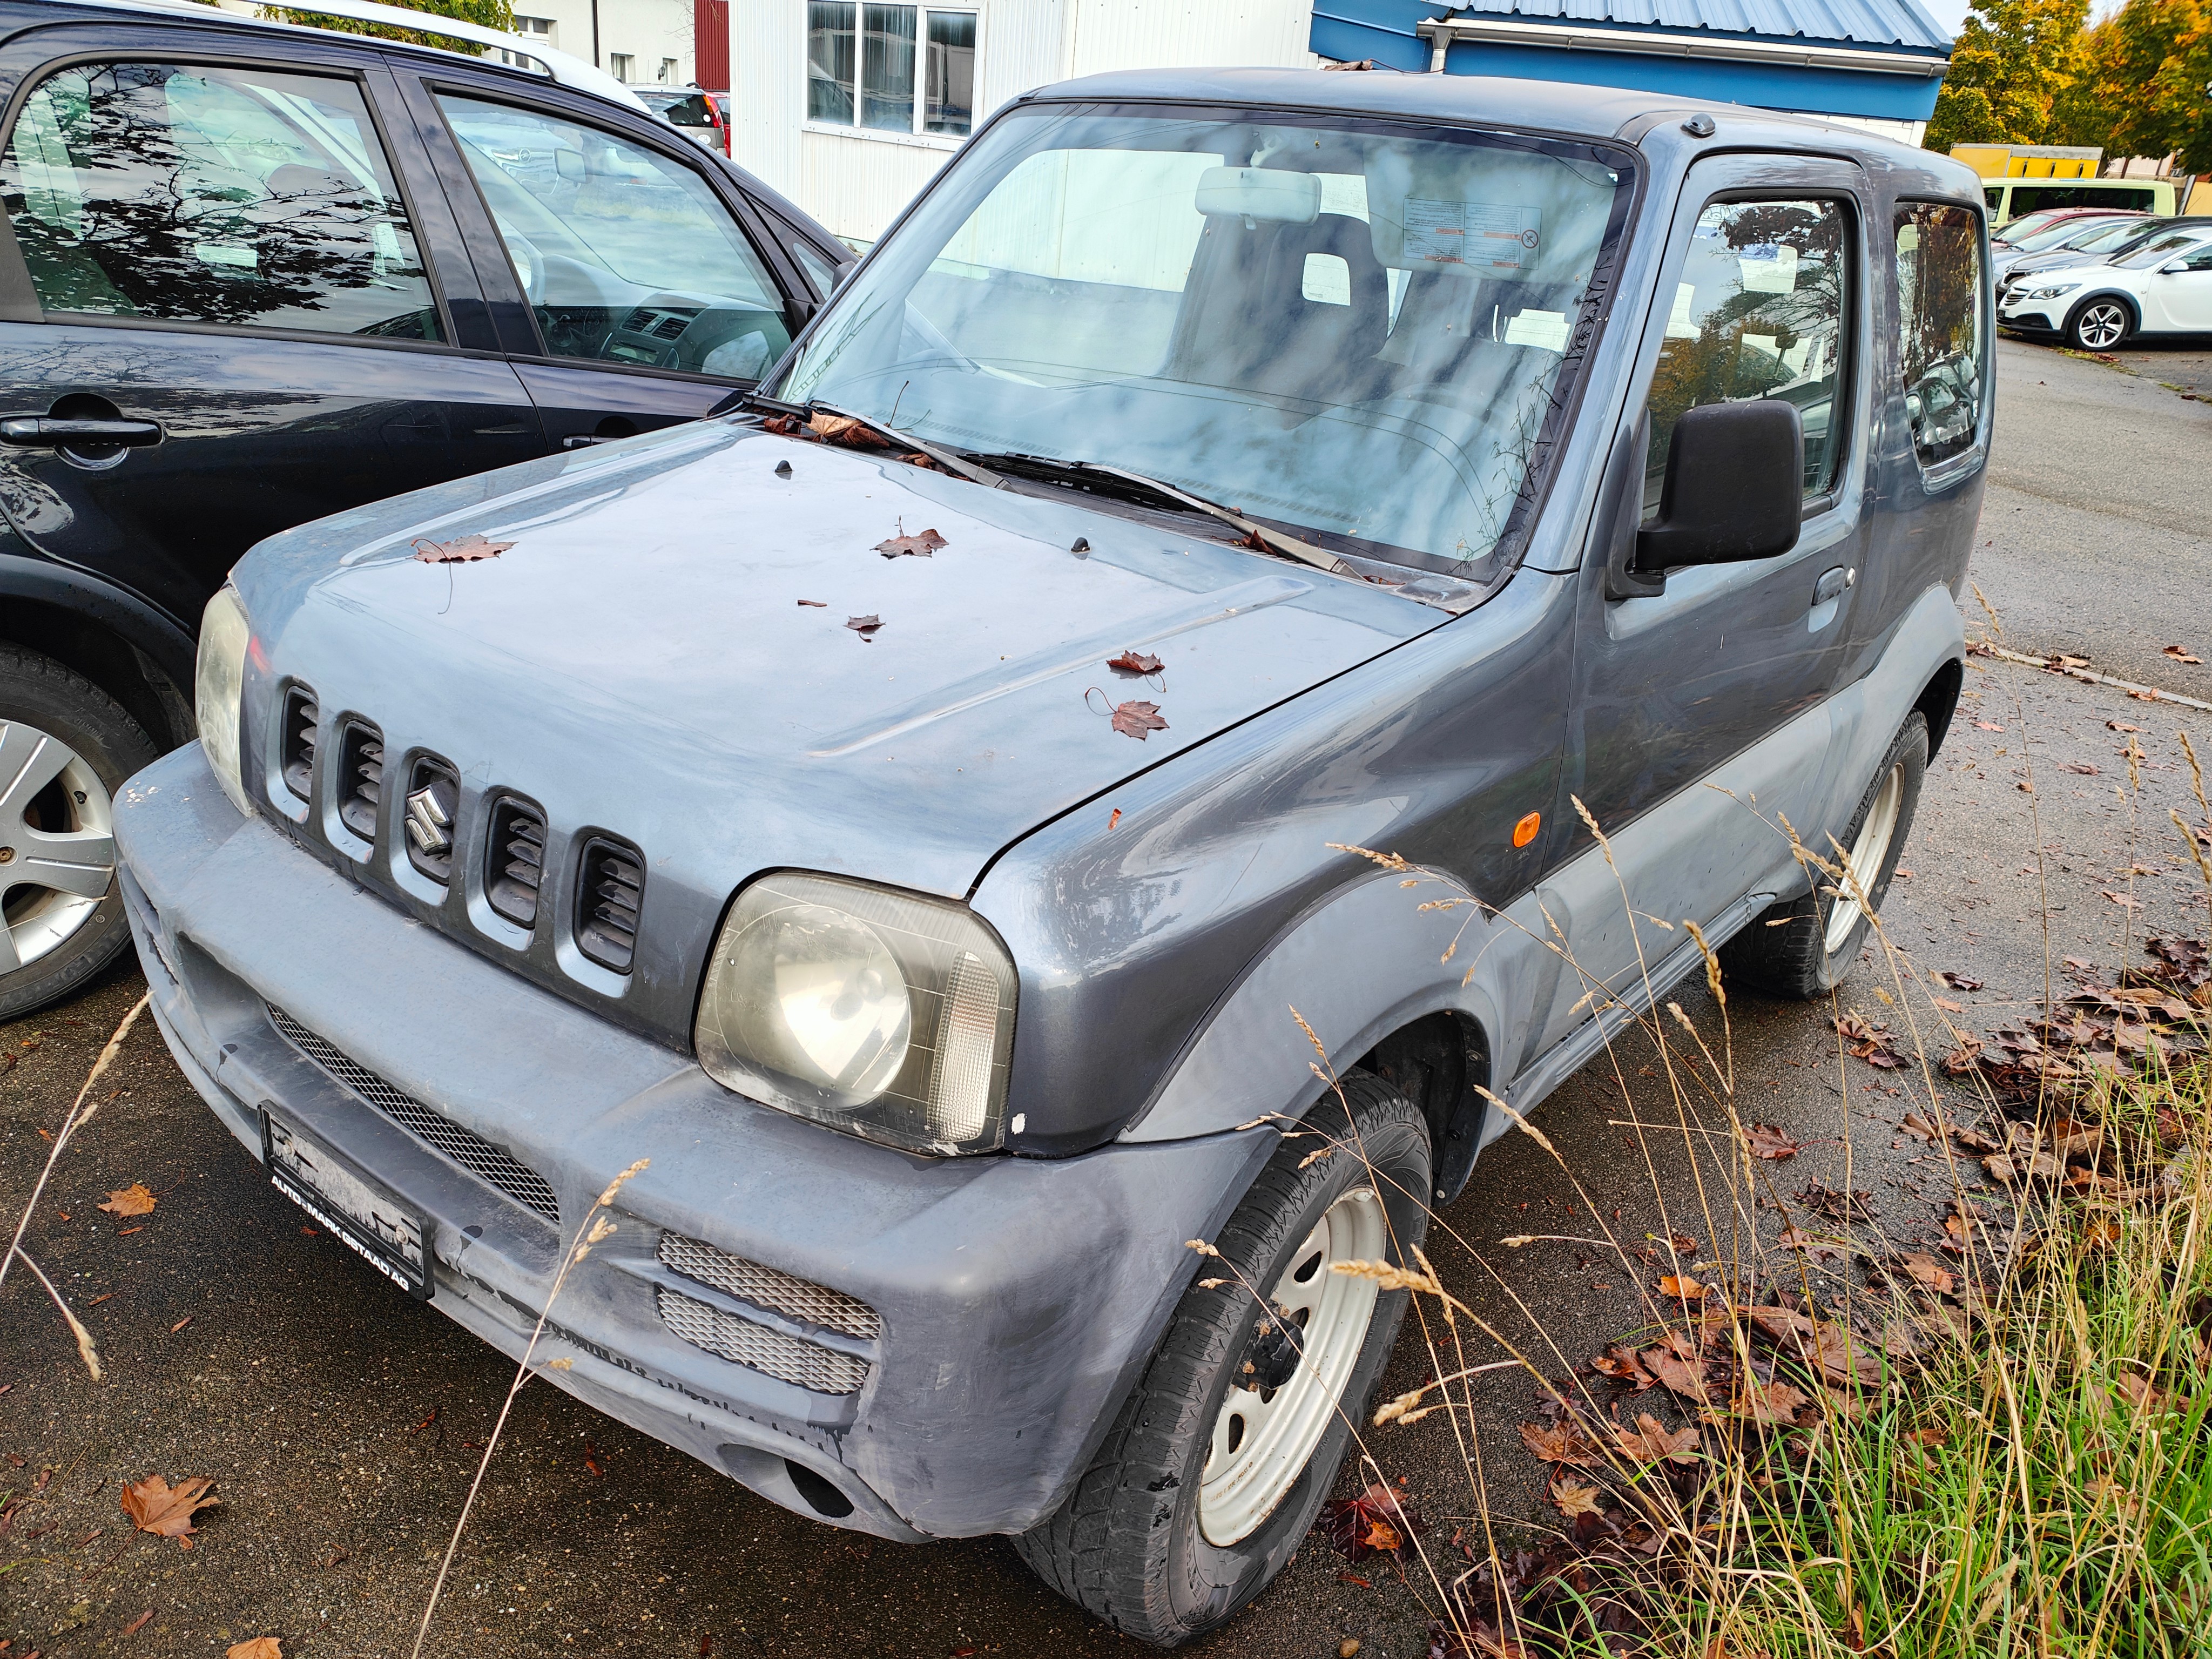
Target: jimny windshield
[1342,328]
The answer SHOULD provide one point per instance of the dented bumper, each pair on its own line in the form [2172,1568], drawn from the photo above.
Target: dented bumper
[1012,1301]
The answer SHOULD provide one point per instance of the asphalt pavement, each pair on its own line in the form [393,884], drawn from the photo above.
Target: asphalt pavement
[340,1421]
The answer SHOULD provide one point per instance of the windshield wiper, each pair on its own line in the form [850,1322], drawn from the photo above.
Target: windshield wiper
[1258,536]
[944,457]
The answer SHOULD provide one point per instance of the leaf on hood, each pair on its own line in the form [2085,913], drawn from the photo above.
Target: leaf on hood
[866,626]
[157,1507]
[1558,1443]
[1133,661]
[1769,1142]
[919,545]
[133,1199]
[261,1647]
[1652,1440]
[1133,720]
[816,604]
[843,429]
[1575,1500]
[462,549]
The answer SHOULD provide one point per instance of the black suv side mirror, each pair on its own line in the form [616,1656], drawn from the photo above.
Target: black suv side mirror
[1735,480]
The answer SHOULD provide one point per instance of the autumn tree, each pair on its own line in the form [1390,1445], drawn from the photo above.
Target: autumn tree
[2009,64]
[488,14]
[2141,84]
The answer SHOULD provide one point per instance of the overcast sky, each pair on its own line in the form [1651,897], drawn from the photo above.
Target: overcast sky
[1949,13]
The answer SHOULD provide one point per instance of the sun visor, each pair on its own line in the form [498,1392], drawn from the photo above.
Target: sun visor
[1481,214]
[1267,194]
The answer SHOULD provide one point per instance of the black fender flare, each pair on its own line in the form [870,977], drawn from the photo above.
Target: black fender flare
[163,648]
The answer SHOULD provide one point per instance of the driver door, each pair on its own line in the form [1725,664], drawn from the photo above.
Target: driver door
[636,295]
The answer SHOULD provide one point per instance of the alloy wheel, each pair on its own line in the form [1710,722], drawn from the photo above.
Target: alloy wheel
[1263,1436]
[1868,854]
[2103,325]
[56,843]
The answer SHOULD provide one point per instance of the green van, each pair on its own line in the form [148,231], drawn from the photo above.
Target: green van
[2008,199]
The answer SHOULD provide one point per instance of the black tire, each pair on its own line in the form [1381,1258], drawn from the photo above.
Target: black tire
[1783,952]
[2089,327]
[38,692]
[1127,1545]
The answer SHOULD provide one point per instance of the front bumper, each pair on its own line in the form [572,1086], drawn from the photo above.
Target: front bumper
[1018,1298]
[2036,316]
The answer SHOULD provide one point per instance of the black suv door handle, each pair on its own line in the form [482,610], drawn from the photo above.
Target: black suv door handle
[1832,583]
[44,432]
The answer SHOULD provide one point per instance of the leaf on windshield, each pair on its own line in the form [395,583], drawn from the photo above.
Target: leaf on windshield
[1134,662]
[1133,720]
[844,429]
[462,549]
[866,626]
[919,545]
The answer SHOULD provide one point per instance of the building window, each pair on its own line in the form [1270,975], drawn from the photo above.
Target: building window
[668,70]
[530,28]
[890,68]
[619,64]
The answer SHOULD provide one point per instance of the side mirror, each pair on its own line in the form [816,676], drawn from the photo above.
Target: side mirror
[2173,267]
[1735,480]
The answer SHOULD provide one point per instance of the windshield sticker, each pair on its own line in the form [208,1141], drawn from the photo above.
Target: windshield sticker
[1483,234]
[1768,268]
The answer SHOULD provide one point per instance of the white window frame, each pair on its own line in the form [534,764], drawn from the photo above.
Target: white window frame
[916,138]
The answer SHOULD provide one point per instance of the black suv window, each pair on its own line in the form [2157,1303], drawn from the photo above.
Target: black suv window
[208,195]
[1941,356]
[627,255]
[1758,312]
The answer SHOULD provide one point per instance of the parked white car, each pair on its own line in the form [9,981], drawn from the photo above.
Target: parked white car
[2164,286]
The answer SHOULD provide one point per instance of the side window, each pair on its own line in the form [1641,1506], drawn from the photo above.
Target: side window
[2202,259]
[1941,354]
[627,255]
[1758,312]
[206,195]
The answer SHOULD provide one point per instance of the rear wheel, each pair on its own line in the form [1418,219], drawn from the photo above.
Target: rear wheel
[66,748]
[2100,325]
[1223,1452]
[1808,945]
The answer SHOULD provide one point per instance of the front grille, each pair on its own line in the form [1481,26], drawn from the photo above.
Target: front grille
[434,794]
[770,1287]
[608,893]
[788,1358]
[515,861]
[298,755]
[470,1150]
[360,777]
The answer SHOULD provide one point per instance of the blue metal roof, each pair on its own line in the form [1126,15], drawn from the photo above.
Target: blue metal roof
[1859,22]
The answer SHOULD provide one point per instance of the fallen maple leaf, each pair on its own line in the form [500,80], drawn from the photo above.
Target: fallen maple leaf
[261,1647]
[133,1199]
[1679,1285]
[1623,1366]
[1686,1377]
[2179,655]
[1133,720]
[2081,767]
[1376,1523]
[2120,725]
[2125,900]
[866,626]
[157,1507]
[1558,1443]
[1989,725]
[137,1624]
[1651,1440]
[1919,1127]
[1575,1500]
[843,429]
[462,549]
[1947,1006]
[1134,662]
[921,545]
[1925,1269]
[1769,1142]
[1960,982]
[1770,1403]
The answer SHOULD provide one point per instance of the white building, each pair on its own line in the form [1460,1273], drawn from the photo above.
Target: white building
[644,42]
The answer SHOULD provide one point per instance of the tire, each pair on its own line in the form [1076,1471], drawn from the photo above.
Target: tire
[1807,946]
[66,748]
[1130,1544]
[2101,323]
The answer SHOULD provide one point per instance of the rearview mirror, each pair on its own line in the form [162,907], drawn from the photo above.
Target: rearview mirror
[1735,485]
[1260,194]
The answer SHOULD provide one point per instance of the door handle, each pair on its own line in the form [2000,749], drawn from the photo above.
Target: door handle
[45,432]
[1832,583]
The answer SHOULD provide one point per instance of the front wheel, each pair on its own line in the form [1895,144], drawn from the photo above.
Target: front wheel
[1226,1447]
[2100,325]
[1806,947]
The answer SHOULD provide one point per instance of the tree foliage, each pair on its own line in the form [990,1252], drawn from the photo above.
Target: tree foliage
[2010,65]
[488,14]
[2140,84]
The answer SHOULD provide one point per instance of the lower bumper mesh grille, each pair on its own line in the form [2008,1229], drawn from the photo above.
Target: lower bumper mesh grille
[770,1287]
[788,1358]
[470,1150]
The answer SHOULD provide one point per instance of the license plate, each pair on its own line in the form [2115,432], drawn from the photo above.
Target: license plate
[393,1236]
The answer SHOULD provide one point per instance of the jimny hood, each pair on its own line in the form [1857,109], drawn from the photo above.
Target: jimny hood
[674,647]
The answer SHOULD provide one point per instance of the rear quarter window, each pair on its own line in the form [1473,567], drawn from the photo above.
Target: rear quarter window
[1943,345]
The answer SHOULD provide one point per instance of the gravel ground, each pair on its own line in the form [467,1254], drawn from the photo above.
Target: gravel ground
[340,1419]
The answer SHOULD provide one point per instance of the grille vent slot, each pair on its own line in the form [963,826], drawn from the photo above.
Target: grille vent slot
[360,777]
[516,861]
[788,1358]
[612,887]
[470,1150]
[770,1287]
[297,754]
[434,798]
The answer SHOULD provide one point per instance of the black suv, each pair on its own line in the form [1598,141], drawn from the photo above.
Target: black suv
[251,274]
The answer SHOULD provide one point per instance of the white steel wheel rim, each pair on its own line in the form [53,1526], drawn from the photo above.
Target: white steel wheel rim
[2102,325]
[1865,859]
[1262,1440]
[56,843]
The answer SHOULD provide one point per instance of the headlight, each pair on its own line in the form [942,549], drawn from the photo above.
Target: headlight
[2053,291]
[219,681]
[881,1014]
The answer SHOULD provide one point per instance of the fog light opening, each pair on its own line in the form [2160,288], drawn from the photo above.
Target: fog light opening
[821,1497]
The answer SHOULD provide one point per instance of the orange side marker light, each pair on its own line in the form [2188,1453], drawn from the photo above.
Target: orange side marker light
[1525,831]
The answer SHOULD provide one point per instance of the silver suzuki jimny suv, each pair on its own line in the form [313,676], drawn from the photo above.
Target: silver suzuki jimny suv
[907,807]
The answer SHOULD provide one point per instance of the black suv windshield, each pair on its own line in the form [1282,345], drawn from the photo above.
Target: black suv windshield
[1336,325]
